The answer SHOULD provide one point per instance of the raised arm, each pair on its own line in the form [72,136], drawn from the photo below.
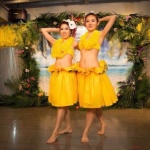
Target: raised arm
[110,21]
[46,31]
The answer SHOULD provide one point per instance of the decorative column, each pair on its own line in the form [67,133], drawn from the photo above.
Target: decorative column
[9,67]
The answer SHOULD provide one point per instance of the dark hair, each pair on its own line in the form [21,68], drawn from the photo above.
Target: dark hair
[73,31]
[63,22]
[91,13]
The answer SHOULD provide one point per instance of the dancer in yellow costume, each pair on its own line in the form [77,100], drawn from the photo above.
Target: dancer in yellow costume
[94,87]
[63,83]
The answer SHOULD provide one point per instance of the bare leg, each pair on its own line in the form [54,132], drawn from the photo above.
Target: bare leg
[99,114]
[89,120]
[59,119]
[68,128]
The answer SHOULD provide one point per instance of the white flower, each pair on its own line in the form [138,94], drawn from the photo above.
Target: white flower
[71,23]
[26,70]
[91,12]
[115,29]
[54,22]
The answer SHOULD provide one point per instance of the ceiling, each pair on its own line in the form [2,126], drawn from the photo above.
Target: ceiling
[7,4]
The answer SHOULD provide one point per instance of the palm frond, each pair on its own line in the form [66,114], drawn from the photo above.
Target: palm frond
[13,84]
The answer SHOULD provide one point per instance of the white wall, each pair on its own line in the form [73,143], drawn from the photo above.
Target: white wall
[3,13]
[120,8]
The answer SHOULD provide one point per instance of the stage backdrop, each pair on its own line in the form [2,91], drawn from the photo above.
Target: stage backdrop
[118,66]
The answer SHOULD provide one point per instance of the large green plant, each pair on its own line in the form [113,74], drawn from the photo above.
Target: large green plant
[135,91]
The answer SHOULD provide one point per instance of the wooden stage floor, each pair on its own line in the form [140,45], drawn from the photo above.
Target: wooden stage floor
[29,129]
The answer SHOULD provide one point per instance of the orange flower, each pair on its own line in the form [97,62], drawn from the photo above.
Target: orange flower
[118,94]
[40,94]
[28,85]
[77,107]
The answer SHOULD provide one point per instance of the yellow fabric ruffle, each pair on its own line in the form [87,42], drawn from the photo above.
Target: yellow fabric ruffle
[61,48]
[63,86]
[91,42]
[94,87]
[53,68]
[101,69]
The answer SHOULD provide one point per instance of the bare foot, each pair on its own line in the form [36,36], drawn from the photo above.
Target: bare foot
[66,131]
[52,139]
[84,138]
[102,130]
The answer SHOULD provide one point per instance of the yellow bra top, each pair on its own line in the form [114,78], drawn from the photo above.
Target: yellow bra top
[62,47]
[92,42]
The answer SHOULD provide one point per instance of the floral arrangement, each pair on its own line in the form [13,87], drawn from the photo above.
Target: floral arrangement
[135,91]
[26,91]
[4,40]
[133,29]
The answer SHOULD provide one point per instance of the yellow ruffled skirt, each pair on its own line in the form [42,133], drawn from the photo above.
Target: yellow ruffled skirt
[63,86]
[94,87]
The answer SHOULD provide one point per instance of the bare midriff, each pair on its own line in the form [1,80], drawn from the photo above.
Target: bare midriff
[64,62]
[89,58]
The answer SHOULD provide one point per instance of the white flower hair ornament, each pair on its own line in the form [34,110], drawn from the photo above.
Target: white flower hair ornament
[91,12]
[71,23]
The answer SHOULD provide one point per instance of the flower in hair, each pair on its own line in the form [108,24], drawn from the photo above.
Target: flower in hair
[71,23]
[91,12]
